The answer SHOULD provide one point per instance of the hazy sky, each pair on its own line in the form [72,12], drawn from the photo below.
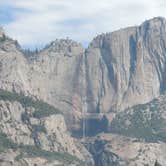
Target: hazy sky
[35,23]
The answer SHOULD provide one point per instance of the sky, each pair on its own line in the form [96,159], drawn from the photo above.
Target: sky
[35,23]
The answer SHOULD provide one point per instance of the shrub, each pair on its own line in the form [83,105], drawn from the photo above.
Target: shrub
[157,164]
[42,109]
[18,157]
[39,128]
[25,117]
[33,151]
[146,122]
[6,143]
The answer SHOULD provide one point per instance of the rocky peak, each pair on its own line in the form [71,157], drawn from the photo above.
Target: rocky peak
[66,46]
[8,44]
[153,28]
[154,22]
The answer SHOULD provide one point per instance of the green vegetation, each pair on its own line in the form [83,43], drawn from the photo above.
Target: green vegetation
[25,117]
[18,157]
[144,122]
[34,151]
[39,128]
[157,164]
[42,109]
[5,143]
[30,53]
[3,38]
[106,158]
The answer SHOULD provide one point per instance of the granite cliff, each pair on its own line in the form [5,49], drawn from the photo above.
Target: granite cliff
[127,67]
[117,71]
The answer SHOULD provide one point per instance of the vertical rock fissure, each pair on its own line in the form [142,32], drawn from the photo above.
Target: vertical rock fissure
[133,57]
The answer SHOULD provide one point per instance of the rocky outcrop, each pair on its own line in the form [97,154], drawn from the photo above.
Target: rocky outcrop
[118,150]
[52,75]
[100,154]
[11,123]
[28,131]
[13,67]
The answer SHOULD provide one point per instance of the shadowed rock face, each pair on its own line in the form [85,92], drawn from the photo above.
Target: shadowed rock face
[118,69]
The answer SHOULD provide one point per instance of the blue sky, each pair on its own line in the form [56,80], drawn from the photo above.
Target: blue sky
[35,23]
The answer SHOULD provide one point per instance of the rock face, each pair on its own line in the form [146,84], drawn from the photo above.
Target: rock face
[118,69]
[51,75]
[127,67]
[57,70]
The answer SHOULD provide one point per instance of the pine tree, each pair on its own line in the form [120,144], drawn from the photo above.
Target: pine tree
[157,164]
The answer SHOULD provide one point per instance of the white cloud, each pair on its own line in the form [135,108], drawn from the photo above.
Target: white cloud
[38,22]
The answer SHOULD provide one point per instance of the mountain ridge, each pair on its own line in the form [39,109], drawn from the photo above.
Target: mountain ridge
[79,43]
